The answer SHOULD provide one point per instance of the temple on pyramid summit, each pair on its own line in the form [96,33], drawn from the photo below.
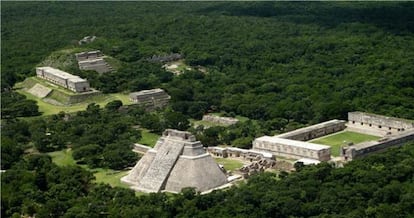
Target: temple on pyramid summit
[177,161]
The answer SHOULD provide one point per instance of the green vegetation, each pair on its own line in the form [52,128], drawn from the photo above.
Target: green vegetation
[229,164]
[343,138]
[148,138]
[46,108]
[62,158]
[112,177]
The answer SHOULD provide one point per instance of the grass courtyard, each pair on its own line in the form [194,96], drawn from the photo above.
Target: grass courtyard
[342,138]
[107,176]
[229,164]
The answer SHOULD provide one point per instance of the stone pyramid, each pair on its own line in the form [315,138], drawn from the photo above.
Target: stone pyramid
[177,161]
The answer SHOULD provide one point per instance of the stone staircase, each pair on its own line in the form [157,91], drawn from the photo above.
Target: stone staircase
[157,174]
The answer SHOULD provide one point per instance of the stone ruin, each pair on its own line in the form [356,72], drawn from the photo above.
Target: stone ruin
[220,120]
[258,166]
[165,58]
[177,161]
[86,40]
[93,60]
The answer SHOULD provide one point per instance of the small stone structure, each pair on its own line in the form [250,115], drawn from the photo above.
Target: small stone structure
[220,120]
[256,167]
[177,161]
[63,79]
[315,131]
[377,124]
[165,58]
[39,90]
[251,155]
[93,60]
[292,148]
[153,98]
[86,40]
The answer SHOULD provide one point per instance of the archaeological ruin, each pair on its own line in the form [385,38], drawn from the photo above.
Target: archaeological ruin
[177,161]
[153,98]
[394,132]
[93,60]
[292,148]
[63,79]
[314,131]
[220,120]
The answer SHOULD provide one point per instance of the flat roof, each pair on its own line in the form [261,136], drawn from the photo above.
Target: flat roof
[149,91]
[308,128]
[381,117]
[294,143]
[63,74]
[307,161]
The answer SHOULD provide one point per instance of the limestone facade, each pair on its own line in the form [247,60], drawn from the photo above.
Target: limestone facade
[153,98]
[292,148]
[177,161]
[315,131]
[63,79]
[220,120]
[92,60]
[365,148]
[377,124]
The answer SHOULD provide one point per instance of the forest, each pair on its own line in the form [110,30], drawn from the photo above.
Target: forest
[304,62]
[282,65]
[377,186]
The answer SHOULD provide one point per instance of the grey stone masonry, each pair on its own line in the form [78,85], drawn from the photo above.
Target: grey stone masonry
[153,98]
[382,125]
[157,173]
[220,120]
[177,161]
[64,79]
[315,131]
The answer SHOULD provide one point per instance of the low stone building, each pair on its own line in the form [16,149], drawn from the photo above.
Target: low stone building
[315,131]
[365,148]
[93,60]
[153,98]
[292,148]
[177,161]
[377,124]
[63,79]
[220,120]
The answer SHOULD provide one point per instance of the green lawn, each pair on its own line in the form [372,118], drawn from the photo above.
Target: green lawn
[108,176]
[343,138]
[62,158]
[148,138]
[48,109]
[229,164]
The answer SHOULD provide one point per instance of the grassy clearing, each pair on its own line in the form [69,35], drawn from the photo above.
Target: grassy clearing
[148,138]
[229,164]
[63,158]
[343,138]
[48,109]
[107,176]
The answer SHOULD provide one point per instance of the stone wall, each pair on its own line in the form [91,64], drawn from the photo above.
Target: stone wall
[292,149]
[365,148]
[220,120]
[314,131]
[378,123]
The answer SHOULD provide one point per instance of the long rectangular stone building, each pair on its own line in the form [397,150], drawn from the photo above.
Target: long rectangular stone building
[365,148]
[64,79]
[153,98]
[292,148]
[377,124]
[315,131]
